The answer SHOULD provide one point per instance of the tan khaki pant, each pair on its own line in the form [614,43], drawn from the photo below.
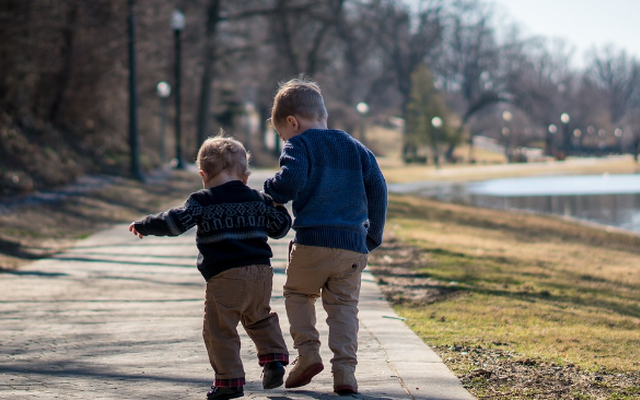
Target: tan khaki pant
[334,274]
[239,295]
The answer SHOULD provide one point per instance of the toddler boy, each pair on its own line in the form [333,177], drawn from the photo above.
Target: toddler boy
[233,222]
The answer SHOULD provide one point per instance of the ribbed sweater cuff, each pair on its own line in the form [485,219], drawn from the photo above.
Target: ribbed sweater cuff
[334,238]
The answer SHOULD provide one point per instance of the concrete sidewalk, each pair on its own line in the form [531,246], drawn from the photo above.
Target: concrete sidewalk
[120,318]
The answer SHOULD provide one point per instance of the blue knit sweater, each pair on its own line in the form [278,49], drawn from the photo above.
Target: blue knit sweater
[339,194]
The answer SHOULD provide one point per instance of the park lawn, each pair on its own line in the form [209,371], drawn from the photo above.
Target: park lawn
[35,231]
[512,293]
[524,286]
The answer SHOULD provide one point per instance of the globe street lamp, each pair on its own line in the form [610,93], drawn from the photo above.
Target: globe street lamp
[602,144]
[177,24]
[552,131]
[618,134]
[591,140]
[436,122]
[363,110]
[566,139]
[507,116]
[577,133]
[164,91]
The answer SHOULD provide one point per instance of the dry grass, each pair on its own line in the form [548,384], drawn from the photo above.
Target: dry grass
[539,287]
[33,232]
[553,287]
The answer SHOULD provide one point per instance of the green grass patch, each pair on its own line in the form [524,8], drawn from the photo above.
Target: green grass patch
[531,287]
[571,294]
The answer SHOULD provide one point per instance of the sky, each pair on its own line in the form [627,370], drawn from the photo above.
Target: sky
[582,23]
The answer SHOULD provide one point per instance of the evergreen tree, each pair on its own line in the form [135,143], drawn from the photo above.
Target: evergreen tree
[424,104]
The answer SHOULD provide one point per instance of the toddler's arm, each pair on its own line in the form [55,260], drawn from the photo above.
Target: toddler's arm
[169,223]
[132,229]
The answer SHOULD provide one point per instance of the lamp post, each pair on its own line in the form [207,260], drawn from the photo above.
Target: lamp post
[177,24]
[577,133]
[133,98]
[507,116]
[618,134]
[552,131]
[590,139]
[363,110]
[164,91]
[602,144]
[566,139]
[436,122]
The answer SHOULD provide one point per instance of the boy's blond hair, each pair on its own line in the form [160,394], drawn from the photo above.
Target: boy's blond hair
[219,153]
[299,96]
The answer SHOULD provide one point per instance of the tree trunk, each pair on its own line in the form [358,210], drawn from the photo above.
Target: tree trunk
[56,112]
[204,105]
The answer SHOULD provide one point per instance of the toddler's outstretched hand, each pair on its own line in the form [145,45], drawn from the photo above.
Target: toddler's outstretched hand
[132,229]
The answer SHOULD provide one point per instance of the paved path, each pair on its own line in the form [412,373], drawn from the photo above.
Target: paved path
[120,318]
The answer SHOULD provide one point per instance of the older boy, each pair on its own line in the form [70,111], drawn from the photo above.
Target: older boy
[339,201]
[233,224]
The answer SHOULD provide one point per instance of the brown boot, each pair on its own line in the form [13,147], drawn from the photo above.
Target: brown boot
[304,368]
[344,380]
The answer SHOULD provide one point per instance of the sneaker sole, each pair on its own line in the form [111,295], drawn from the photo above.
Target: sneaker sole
[306,376]
[345,389]
[229,396]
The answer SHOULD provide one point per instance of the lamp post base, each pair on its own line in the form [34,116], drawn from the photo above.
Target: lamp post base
[177,163]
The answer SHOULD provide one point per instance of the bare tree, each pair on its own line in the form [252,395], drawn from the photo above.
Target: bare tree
[63,83]
[204,104]
[469,63]
[618,77]
[405,39]
[299,39]
[634,121]
[541,83]
[66,54]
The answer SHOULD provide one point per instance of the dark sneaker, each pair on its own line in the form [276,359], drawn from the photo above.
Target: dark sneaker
[224,393]
[272,374]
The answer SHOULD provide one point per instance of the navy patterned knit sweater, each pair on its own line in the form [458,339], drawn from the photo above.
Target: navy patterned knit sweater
[233,223]
[339,194]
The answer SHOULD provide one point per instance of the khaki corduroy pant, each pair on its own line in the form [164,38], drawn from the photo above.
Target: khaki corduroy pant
[335,275]
[240,295]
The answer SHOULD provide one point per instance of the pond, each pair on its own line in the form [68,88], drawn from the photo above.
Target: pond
[612,200]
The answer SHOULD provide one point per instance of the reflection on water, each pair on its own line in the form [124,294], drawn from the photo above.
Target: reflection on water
[609,200]
[620,210]
[559,185]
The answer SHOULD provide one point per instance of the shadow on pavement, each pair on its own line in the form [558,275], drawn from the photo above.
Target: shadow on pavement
[120,262]
[93,373]
[34,273]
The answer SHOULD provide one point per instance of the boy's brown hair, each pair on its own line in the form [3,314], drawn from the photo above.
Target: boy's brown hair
[299,96]
[219,153]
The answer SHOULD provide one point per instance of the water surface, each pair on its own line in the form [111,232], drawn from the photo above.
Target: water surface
[612,200]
